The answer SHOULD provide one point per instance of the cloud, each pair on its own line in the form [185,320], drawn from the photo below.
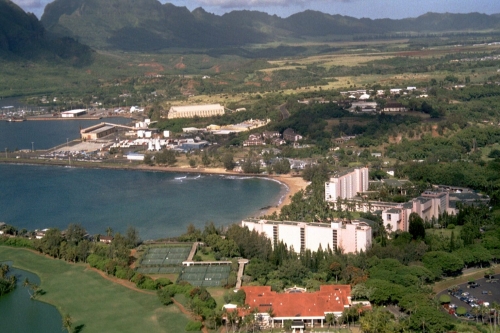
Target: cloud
[260,3]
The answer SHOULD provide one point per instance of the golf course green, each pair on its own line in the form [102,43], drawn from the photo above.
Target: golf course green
[94,303]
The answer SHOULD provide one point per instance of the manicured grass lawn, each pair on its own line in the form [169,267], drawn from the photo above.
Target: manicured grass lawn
[98,304]
[445,232]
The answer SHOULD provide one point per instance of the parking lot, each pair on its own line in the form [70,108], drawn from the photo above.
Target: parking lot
[481,293]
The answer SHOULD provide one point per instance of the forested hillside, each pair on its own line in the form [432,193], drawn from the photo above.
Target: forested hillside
[148,25]
[23,37]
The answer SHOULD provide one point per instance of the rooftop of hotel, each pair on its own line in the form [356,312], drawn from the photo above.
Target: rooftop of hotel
[359,221]
[346,172]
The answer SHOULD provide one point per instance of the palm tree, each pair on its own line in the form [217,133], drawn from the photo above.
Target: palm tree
[67,323]
[496,307]
[476,311]
[330,319]
[109,231]
[271,314]
[483,310]
[31,286]
[4,269]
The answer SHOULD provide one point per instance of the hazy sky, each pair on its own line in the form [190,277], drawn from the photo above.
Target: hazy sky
[357,8]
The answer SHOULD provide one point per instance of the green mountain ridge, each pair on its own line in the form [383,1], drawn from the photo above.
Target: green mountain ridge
[22,36]
[148,25]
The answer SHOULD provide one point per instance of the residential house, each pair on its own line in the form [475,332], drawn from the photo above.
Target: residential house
[394,107]
[271,134]
[278,142]
[290,135]
[106,239]
[253,142]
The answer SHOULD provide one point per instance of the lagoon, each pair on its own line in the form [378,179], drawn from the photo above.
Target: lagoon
[19,313]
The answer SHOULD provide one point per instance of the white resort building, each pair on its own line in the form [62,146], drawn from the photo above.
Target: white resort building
[347,185]
[428,206]
[350,237]
[191,111]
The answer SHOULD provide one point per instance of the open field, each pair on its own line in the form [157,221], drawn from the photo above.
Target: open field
[330,60]
[98,304]
[487,150]
[445,232]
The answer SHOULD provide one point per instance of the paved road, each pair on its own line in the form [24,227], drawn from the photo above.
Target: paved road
[284,111]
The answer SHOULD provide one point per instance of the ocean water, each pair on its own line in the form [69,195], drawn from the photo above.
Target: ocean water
[157,204]
[45,134]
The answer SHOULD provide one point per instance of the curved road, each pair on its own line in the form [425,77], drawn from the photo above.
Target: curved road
[284,111]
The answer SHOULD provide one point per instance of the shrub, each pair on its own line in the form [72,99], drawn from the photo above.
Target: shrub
[16,241]
[124,272]
[147,283]
[164,297]
[193,326]
[162,282]
[451,226]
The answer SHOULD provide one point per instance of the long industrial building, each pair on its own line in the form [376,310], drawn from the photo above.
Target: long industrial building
[97,131]
[191,111]
[347,185]
[350,237]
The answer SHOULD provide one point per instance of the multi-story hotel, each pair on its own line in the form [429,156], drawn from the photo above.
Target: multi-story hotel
[349,237]
[428,206]
[347,185]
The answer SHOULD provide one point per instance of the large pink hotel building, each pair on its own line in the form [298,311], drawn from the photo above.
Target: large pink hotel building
[347,185]
[347,236]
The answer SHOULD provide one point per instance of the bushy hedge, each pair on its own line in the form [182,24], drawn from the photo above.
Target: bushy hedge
[16,242]
[193,326]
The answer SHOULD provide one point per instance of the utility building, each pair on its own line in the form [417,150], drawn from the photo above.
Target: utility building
[73,113]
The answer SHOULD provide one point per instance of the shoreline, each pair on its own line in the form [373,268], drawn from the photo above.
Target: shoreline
[292,184]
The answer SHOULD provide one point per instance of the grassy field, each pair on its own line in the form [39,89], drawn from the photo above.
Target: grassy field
[445,232]
[486,150]
[94,302]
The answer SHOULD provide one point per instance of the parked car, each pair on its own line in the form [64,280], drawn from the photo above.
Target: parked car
[469,316]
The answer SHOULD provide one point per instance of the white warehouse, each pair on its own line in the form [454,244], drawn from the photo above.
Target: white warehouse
[191,111]
[350,237]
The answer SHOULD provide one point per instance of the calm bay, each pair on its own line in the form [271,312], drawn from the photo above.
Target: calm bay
[158,204]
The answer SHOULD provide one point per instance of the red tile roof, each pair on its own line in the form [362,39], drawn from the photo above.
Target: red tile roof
[330,298]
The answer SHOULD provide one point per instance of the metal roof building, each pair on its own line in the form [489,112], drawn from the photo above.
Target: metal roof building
[191,111]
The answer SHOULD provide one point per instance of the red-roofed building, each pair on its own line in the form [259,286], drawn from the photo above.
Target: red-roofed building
[298,305]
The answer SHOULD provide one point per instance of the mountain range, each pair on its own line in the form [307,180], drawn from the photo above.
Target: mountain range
[148,25]
[22,36]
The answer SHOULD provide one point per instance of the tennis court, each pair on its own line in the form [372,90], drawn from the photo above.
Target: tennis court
[165,256]
[206,275]
[168,260]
